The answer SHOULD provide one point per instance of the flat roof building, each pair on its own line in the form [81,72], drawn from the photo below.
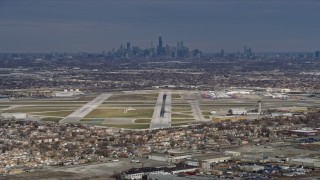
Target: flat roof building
[238,111]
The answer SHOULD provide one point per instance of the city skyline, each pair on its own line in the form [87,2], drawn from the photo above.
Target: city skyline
[95,26]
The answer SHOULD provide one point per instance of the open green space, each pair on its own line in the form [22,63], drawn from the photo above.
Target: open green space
[218,106]
[179,103]
[69,99]
[229,104]
[38,109]
[175,96]
[174,115]
[183,112]
[91,119]
[114,113]
[181,120]
[129,102]
[206,113]
[179,124]
[54,113]
[186,110]
[3,107]
[64,103]
[127,105]
[86,98]
[179,108]
[134,97]
[128,126]
[79,98]
[143,121]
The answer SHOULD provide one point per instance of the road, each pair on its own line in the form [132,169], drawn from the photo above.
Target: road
[80,113]
[165,121]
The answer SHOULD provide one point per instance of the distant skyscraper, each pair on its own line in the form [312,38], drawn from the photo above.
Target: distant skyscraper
[160,49]
[168,50]
[160,42]
[128,47]
[222,53]
[317,54]
[247,51]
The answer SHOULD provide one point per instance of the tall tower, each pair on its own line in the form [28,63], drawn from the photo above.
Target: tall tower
[128,47]
[160,49]
[160,42]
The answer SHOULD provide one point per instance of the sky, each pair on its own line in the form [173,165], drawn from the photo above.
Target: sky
[210,25]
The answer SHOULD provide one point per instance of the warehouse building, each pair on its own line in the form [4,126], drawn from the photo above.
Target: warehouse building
[238,111]
[307,162]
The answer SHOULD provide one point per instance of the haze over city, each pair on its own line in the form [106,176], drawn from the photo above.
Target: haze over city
[96,25]
[159,89]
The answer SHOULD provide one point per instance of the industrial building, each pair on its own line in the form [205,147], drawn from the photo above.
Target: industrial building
[238,111]
[168,157]
[308,162]
[243,111]
[67,93]
[206,164]
[241,92]
[139,173]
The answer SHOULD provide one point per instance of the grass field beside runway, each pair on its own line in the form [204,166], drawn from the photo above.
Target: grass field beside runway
[54,113]
[181,120]
[134,97]
[206,113]
[117,107]
[34,103]
[3,107]
[143,103]
[175,96]
[128,126]
[118,113]
[143,121]
[86,98]
[135,106]
[35,109]
[176,115]
[181,111]
[128,103]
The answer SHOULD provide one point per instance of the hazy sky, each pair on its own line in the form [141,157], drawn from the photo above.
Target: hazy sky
[97,25]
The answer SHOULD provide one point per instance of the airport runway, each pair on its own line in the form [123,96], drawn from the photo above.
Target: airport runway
[162,122]
[193,99]
[197,114]
[80,113]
